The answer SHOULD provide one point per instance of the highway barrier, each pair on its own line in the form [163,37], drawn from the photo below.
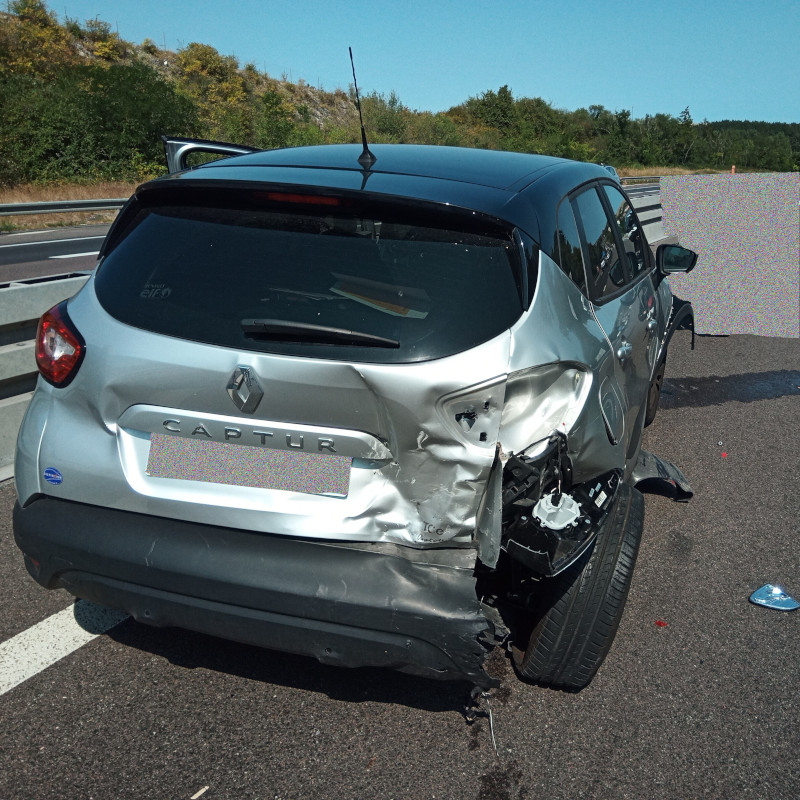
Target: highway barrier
[21,304]
[640,179]
[60,206]
[648,209]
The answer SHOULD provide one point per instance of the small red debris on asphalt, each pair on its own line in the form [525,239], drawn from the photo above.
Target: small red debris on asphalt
[660,623]
[724,455]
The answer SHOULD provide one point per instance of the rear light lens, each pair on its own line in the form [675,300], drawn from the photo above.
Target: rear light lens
[59,346]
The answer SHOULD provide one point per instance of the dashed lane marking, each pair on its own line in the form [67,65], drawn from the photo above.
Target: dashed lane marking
[39,647]
[77,255]
[51,241]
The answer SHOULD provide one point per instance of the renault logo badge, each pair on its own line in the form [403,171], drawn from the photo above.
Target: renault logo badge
[244,390]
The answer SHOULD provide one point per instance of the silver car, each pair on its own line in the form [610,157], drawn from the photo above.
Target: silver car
[381,414]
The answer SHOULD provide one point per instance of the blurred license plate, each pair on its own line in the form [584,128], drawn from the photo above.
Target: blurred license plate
[239,465]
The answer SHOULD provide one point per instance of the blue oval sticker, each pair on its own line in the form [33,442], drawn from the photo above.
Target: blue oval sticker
[52,475]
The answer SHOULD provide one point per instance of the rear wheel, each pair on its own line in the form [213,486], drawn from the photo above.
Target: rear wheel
[578,612]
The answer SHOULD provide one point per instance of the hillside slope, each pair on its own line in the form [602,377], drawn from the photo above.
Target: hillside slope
[80,104]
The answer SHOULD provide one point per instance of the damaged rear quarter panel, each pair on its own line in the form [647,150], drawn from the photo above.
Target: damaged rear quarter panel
[445,439]
[560,335]
[444,457]
[442,437]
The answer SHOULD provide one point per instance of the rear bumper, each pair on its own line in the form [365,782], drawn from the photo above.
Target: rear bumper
[371,606]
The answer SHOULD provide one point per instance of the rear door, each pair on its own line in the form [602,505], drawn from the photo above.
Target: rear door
[622,294]
[639,263]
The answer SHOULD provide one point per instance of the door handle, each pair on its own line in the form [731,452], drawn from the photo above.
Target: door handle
[624,350]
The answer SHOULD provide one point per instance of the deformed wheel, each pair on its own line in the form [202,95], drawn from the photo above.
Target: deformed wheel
[654,392]
[578,612]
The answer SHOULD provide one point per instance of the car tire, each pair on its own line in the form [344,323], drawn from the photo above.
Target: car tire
[578,612]
[654,392]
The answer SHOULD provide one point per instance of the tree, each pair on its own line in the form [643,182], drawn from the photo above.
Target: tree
[427,128]
[385,118]
[686,137]
[33,11]
[105,42]
[495,109]
[32,41]
[89,123]
[274,120]
[219,92]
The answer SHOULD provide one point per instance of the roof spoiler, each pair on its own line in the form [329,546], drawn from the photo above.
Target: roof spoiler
[177,149]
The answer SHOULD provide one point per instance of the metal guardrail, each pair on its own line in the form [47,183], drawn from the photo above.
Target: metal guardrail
[648,209]
[21,304]
[60,206]
[112,204]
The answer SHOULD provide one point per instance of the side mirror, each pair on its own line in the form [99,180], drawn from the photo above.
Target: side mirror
[674,258]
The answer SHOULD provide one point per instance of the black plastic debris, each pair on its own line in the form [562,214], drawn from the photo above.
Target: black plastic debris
[655,474]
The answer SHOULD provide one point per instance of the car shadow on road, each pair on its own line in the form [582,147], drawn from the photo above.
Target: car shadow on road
[715,389]
[190,650]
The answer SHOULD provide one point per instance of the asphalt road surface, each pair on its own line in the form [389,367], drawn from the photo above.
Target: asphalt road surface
[641,189]
[705,705]
[38,253]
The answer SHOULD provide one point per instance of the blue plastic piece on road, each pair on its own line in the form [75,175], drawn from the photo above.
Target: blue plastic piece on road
[774,597]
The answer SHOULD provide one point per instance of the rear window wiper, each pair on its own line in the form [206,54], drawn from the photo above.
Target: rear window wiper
[288,331]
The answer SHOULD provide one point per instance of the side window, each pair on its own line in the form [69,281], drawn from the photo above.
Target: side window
[605,270]
[633,242]
[568,246]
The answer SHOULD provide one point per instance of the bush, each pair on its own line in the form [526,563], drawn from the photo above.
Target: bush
[90,123]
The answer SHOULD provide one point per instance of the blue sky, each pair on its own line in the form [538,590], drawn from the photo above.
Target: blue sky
[724,59]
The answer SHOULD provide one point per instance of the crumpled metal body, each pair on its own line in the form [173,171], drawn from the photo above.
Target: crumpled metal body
[378,564]
[426,440]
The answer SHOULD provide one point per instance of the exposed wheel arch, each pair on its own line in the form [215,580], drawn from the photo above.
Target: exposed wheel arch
[578,612]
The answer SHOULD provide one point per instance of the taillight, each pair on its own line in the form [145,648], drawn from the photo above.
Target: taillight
[59,346]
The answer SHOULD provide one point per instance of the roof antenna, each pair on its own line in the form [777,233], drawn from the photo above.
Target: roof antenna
[367,158]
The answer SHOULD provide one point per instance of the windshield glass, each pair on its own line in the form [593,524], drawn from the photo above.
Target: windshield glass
[262,279]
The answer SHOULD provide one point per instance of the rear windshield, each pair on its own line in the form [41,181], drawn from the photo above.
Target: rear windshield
[305,281]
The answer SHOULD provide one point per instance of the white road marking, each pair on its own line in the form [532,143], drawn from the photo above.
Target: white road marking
[32,651]
[77,255]
[52,241]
